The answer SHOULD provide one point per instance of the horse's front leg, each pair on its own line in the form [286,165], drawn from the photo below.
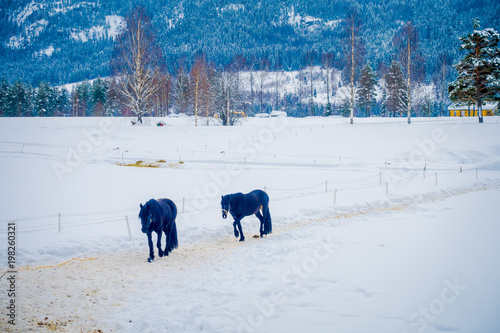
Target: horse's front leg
[235,223]
[242,238]
[158,244]
[150,243]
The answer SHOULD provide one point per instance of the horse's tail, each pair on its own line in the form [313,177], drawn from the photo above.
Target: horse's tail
[268,226]
[171,230]
[172,242]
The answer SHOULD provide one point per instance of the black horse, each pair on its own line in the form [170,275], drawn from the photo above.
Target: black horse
[159,215]
[241,205]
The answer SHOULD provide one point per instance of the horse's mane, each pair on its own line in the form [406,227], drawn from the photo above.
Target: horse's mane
[154,209]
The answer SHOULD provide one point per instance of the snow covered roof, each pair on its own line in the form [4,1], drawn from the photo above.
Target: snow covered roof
[486,106]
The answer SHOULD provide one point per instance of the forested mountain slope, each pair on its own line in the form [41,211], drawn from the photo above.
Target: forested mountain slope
[68,40]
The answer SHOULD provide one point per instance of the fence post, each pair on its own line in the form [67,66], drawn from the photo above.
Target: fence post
[386,187]
[335,197]
[128,227]
[59,218]
[183,201]
[326,186]
[380,181]
[436,178]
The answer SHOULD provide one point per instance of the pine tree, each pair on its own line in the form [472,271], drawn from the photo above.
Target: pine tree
[17,101]
[4,93]
[44,100]
[396,90]
[366,91]
[113,100]
[98,96]
[83,93]
[478,77]
[63,101]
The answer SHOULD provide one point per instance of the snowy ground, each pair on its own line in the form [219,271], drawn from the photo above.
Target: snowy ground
[378,226]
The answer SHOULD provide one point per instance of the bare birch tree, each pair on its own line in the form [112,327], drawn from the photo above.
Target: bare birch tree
[413,62]
[354,53]
[136,63]
[198,78]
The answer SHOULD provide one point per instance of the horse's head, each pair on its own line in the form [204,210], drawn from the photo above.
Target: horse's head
[225,203]
[146,217]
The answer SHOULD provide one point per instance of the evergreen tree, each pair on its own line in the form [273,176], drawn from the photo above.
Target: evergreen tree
[113,102]
[63,102]
[366,91]
[17,101]
[479,72]
[98,96]
[345,107]
[30,98]
[396,90]
[44,100]
[4,95]
[427,106]
[83,93]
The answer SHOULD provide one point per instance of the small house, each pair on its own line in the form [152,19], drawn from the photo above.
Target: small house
[464,110]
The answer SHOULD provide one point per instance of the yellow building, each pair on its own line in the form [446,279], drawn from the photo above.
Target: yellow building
[489,109]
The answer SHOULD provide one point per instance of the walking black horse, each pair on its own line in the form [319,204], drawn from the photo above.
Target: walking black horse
[241,205]
[159,215]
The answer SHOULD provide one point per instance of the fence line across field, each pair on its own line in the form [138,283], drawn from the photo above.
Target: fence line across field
[61,221]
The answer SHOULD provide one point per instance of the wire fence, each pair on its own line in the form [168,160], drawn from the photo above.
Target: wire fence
[58,222]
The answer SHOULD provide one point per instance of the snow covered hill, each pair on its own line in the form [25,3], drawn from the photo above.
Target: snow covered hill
[378,226]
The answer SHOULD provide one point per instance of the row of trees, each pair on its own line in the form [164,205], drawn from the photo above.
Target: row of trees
[84,99]
[205,91]
[138,66]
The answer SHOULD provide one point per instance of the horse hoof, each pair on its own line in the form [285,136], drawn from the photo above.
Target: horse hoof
[150,259]
[242,239]
[160,255]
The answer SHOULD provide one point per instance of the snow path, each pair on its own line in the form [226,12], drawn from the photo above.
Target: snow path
[193,282]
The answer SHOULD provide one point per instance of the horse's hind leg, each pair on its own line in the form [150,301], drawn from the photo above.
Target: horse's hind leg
[158,244]
[261,219]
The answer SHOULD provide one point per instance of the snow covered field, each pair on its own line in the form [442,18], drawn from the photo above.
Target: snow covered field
[378,226]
